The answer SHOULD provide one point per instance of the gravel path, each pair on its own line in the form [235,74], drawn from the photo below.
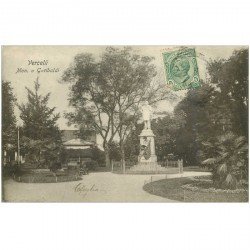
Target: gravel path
[95,187]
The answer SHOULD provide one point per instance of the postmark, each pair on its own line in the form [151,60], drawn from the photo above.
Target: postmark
[181,69]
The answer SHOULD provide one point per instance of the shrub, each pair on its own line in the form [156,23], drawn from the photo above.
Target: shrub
[92,165]
[55,166]
[230,160]
[45,176]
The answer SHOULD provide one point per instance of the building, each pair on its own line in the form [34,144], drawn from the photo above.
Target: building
[77,149]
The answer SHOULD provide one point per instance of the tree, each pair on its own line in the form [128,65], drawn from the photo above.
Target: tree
[41,138]
[220,106]
[8,117]
[231,79]
[166,130]
[216,120]
[106,95]
[228,146]
[132,143]
[196,112]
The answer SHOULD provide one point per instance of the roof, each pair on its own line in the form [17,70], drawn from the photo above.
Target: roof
[77,142]
[75,153]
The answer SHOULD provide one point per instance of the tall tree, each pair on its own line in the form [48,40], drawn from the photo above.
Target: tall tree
[194,109]
[230,78]
[227,148]
[217,120]
[106,95]
[41,138]
[166,130]
[8,117]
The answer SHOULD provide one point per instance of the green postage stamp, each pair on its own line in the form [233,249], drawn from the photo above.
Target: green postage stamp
[181,69]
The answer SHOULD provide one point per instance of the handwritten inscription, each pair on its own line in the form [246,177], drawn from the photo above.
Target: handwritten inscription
[81,189]
[21,70]
[42,67]
[43,62]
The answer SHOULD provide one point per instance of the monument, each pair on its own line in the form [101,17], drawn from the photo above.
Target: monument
[147,159]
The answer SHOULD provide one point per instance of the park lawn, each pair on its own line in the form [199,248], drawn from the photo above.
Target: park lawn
[172,189]
[168,188]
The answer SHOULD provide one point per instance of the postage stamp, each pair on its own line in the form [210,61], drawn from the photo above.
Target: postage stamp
[181,69]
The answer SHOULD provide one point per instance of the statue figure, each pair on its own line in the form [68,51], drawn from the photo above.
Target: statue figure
[146,115]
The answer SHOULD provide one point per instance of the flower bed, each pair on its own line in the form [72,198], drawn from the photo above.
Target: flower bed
[196,187]
[202,190]
[195,190]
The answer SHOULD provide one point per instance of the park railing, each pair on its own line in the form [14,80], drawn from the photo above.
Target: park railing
[171,165]
[116,166]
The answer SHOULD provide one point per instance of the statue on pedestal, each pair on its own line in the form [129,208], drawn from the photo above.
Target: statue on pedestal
[147,159]
[146,115]
[147,146]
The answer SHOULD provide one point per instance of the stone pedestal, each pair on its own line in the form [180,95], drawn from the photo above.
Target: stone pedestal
[147,137]
[150,165]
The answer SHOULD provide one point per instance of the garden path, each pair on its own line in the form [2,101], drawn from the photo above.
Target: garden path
[95,187]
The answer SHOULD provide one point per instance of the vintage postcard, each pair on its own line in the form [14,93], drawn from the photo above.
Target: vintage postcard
[125,123]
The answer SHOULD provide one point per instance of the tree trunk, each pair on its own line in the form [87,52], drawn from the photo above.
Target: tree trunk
[112,166]
[123,164]
[107,158]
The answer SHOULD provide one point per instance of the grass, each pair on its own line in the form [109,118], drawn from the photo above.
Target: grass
[172,189]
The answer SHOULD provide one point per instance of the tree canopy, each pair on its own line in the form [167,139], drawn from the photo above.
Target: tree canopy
[41,138]
[8,116]
[218,109]
[106,94]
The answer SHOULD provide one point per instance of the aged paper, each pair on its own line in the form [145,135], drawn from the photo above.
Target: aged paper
[125,123]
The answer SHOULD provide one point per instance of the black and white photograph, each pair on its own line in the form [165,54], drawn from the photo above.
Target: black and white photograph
[125,123]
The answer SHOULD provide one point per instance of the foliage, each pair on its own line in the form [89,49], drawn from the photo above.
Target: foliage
[132,143]
[106,94]
[99,156]
[227,147]
[9,133]
[46,177]
[219,107]
[229,159]
[196,115]
[40,135]
[176,189]
[166,129]
[92,165]
[230,78]
[115,153]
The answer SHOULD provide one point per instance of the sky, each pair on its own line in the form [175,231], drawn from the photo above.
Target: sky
[60,57]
